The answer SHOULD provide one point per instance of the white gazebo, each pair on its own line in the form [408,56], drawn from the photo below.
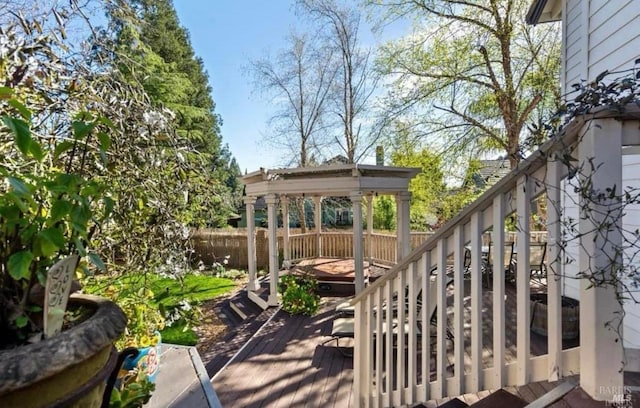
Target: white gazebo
[355,181]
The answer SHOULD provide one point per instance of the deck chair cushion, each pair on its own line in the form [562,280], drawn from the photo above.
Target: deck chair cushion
[345,309]
[343,327]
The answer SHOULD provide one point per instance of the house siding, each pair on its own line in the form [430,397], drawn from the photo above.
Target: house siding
[572,51]
[599,35]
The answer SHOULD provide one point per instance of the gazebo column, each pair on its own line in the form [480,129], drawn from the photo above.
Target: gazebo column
[403,221]
[272,219]
[370,229]
[358,258]
[317,200]
[284,204]
[251,243]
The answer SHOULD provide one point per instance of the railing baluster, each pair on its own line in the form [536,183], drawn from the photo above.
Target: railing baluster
[388,340]
[361,388]
[441,312]
[424,267]
[399,337]
[414,279]
[379,344]
[554,271]
[499,324]
[523,201]
[476,302]
[458,310]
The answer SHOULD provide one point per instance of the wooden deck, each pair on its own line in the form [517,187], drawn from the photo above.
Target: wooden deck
[285,364]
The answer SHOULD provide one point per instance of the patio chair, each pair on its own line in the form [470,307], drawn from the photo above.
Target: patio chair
[507,263]
[467,262]
[343,324]
[537,253]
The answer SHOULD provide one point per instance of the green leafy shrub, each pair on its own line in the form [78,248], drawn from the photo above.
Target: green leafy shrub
[299,294]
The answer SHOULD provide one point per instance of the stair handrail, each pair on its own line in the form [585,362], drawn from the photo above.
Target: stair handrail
[565,137]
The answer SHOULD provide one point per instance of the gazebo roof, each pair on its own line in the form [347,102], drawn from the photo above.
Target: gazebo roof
[329,180]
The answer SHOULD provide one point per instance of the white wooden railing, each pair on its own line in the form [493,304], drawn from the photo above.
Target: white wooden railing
[303,246]
[398,364]
[381,248]
[377,247]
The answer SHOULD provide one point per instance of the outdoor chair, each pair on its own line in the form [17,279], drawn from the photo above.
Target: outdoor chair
[467,262]
[343,323]
[537,253]
[508,263]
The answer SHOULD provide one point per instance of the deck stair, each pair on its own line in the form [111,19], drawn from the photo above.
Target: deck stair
[243,318]
[504,398]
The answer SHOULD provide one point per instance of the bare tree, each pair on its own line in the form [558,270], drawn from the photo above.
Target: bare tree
[356,80]
[298,81]
[473,73]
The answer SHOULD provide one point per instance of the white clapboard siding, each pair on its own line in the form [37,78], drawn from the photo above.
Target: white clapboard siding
[614,30]
[599,35]
[572,47]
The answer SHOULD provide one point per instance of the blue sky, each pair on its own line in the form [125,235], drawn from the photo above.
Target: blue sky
[227,34]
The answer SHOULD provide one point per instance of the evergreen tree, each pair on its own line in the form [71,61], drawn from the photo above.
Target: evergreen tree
[149,33]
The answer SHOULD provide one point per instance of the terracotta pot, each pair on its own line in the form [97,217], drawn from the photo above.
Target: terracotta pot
[69,369]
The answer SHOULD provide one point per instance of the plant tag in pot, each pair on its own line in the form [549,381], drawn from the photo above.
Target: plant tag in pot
[56,295]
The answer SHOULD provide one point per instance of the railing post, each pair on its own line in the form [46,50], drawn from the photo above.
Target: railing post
[601,349]
[251,243]
[272,218]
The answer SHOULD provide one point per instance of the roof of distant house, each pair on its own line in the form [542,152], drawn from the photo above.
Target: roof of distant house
[491,171]
[339,159]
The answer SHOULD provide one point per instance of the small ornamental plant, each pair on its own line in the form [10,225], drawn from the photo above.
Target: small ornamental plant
[299,294]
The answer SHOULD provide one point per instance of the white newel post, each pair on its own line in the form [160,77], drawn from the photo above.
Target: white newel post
[601,352]
[286,248]
[403,222]
[317,200]
[358,258]
[251,244]
[272,218]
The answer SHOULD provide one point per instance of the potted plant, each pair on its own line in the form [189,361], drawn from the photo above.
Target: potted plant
[136,378]
[51,207]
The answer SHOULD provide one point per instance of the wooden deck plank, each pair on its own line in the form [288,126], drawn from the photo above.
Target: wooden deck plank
[256,360]
[297,366]
[285,366]
[288,368]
